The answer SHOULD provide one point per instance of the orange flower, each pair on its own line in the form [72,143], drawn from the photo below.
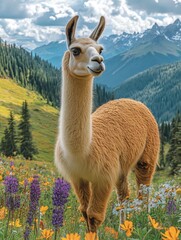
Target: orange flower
[154,223]
[72,236]
[91,236]
[171,234]
[3,212]
[178,191]
[127,227]
[47,233]
[81,219]
[112,232]
[43,209]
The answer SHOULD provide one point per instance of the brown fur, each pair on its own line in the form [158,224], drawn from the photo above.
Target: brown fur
[96,152]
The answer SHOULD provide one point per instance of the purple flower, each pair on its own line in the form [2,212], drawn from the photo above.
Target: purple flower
[11,184]
[57,217]
[60,192]
[171,207]
[33,206]
[12,202]
[59,198]
[11,189]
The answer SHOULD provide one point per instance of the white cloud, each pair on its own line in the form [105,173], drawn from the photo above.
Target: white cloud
[32,23]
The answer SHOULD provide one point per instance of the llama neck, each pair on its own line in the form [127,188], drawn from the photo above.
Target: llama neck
[76,108]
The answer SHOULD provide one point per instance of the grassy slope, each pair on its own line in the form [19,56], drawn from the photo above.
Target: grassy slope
[43,117]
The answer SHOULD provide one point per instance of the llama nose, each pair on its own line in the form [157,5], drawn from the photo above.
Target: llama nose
[97,58]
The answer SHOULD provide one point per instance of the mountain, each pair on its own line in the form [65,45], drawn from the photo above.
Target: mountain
[158,87]
[147,54]
[44,118]
[115,44]
[52,52]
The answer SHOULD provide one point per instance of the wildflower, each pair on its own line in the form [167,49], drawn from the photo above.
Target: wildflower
[11,184]
[15,224]
[11,189]
[47,233]
[171,207]
[112,232]
[72,236]
[171,234]
[3,212]
[127,227]
[178,191]
[154,223]
[1,178]
[59,198]
[43,209]
[34,202]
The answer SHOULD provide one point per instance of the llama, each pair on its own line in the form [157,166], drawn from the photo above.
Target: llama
[96,151]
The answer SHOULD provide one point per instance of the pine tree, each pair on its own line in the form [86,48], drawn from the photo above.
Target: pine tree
[9,141]
[4,142]
[174,153]
[176,157]
[27,148]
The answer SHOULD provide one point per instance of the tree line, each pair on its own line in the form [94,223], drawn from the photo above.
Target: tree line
[38,75]
[170,133]
[11,144]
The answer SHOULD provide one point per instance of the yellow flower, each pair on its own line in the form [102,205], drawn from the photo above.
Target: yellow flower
[171,234]
[3,212]
[127,227]
[91,236]
[1,178]
[178,191]
[47,233]
[154,223]
[72,236]
[15,224]
[43,209]
[112,232]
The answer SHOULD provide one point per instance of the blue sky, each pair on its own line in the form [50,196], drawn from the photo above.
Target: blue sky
[31,23]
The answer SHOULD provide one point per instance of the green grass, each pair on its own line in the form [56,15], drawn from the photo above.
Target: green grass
[72,224]
[44,118]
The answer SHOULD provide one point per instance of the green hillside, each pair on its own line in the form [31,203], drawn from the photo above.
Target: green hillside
[159,88]
[44,118]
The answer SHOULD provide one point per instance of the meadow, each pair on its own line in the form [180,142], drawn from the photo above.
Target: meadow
[32,194]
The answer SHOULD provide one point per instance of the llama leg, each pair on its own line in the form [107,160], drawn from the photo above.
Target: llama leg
[82,190]
[98,205]
[144,172]
[123,193]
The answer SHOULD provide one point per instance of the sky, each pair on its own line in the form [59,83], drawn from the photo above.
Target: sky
[32,23]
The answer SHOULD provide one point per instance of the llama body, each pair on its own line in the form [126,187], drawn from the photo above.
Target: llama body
[95,152]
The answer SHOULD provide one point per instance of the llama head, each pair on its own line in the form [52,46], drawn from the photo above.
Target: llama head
[85,53]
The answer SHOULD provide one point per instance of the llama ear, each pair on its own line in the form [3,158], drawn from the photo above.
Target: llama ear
[70,30]
[99,29]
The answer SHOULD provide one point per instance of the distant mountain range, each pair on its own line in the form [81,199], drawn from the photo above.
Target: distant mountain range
[158,45]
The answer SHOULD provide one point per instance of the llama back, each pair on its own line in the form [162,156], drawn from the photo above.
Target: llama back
[124,128]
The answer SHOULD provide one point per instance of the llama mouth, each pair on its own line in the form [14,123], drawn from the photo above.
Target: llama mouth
[95,72]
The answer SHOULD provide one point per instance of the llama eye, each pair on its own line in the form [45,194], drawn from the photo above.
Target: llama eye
[100,50]
[76,51]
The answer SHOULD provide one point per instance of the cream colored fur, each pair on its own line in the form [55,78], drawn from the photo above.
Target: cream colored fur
[95,152]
